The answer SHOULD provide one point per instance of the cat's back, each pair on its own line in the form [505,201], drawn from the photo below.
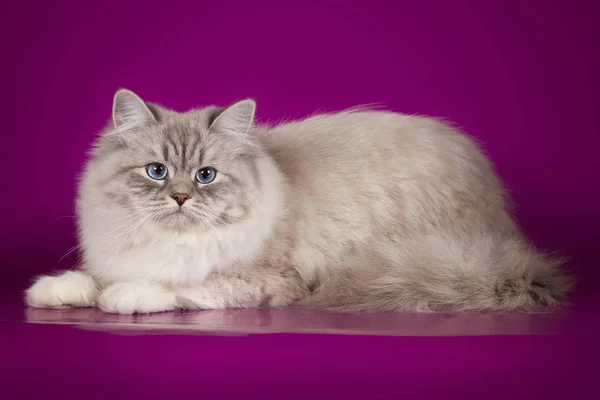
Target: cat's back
[371,144]
[355,175]
[348,130]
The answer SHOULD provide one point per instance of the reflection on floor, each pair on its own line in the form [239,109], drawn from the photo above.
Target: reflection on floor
[262,321]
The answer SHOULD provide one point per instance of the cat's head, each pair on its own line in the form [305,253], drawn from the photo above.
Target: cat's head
[195,170]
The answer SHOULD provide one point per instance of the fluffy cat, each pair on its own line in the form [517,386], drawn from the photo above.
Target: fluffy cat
[357,210]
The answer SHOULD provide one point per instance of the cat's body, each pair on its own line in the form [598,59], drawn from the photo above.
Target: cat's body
[359,210]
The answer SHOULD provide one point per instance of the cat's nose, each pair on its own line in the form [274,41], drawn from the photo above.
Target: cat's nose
[180,198]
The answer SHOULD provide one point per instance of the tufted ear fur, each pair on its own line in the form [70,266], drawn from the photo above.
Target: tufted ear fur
[130,111]
[237,118]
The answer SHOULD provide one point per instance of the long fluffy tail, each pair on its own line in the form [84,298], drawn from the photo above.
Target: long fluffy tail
[434,273]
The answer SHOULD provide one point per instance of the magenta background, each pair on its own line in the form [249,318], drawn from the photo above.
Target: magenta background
[522,76]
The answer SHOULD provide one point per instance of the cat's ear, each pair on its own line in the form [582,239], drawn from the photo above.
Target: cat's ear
[130,111]
[237,118]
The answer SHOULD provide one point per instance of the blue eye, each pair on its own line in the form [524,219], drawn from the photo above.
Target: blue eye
[206,175]
[156,171]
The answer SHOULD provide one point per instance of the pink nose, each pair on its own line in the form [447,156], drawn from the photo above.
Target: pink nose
[180,198]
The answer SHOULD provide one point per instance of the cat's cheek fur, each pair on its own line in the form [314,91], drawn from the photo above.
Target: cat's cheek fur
[186,257]
[67,289]
[136,298]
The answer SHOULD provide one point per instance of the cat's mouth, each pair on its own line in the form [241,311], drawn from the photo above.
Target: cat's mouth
[179,215]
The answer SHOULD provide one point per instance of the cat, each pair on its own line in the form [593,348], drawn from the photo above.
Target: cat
[357,210]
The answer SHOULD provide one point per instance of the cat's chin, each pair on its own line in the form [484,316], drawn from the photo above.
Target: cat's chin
[179,221]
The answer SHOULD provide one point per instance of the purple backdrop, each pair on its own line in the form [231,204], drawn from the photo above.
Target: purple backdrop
[522,76]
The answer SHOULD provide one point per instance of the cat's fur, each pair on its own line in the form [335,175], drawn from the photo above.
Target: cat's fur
[358,210]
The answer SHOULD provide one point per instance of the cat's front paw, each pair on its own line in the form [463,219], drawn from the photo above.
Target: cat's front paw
[136,297]
[69,289]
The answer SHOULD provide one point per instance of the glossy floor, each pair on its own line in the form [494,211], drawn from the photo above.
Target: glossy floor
[263,321]
[295,354]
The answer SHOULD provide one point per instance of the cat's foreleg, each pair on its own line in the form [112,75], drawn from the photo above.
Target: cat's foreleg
[248,288]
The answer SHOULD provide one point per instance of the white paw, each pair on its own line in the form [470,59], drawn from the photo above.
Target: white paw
[69,289]
[136,297]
